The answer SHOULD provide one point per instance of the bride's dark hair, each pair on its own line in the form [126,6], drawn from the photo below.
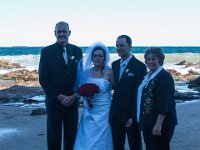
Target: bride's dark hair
[104,55]
[87,59]
[87,63]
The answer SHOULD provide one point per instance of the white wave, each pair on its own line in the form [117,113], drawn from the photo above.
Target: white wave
[4,132]
[17,104]
[39,105]
[23,105]
[181,68]
[39,98]
[30,62]
[184,89]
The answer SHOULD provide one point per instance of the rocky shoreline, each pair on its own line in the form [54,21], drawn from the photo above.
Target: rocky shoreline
[22,84]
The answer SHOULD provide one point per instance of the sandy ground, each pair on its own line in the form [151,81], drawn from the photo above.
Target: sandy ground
[21,131]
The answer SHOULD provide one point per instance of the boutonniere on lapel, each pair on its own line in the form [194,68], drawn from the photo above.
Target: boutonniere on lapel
[72,59]
[127,70]
[129,74]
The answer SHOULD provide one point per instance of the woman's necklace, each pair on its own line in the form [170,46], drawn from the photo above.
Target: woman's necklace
[97,73]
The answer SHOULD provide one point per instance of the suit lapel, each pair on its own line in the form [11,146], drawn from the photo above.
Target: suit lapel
[59,50]
[124,75]
[117,70]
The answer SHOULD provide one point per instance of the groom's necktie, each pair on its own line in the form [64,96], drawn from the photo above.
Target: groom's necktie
[122,67]
[65,55]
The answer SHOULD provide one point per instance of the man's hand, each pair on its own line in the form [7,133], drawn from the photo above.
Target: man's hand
[129,122]
[66,100]
[61,97]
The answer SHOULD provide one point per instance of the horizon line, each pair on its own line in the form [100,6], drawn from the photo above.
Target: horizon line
[114,46]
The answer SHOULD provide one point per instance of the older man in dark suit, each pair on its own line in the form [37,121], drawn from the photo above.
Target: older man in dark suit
[128,74]
[58,77]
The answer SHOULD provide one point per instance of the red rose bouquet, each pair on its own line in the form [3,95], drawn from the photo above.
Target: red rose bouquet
[88,90]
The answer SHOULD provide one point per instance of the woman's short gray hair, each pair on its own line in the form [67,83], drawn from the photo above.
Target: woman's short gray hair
[157,51]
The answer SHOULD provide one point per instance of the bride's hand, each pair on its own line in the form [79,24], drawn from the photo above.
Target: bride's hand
[89,101]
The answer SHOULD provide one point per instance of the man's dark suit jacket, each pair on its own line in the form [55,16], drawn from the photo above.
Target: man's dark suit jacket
[124,100]
[55,76]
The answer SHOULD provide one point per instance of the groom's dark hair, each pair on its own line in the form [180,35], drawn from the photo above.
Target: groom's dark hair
[128,39]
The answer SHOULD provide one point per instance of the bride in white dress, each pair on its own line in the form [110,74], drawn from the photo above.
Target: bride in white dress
[94,132]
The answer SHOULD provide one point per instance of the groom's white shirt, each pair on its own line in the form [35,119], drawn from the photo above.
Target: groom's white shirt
[123,64]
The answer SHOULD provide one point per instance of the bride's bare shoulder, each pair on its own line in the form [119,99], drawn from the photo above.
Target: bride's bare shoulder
[107,68]
[108,71]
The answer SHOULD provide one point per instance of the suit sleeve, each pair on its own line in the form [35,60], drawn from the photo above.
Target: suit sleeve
[165,93]
[44,75]
[79,77]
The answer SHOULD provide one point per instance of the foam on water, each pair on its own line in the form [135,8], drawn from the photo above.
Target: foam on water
[180,68]
[31,62]
[39,98]
[39,105]
[4,132]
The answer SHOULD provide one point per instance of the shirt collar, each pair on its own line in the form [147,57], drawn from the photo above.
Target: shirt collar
[126,61]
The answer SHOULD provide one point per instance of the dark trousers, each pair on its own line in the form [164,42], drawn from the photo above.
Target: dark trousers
[158,142]
[66,119]
[119,132]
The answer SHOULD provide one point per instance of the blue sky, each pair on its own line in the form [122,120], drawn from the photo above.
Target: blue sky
[148,22]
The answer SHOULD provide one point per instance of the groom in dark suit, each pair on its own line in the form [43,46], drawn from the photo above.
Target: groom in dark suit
[58,77]
[128,74]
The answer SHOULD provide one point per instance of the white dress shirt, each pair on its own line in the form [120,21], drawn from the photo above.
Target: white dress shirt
[123,64]
[65,56]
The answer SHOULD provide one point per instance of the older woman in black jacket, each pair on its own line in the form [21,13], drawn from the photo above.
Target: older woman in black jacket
[156,109]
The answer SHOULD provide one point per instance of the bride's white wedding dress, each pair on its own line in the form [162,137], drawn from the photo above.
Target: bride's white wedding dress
[94,132]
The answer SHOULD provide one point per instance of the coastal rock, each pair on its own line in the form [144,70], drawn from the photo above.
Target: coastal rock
[186,96]
[187,77]
[189,64]
[173,72]
[19,93]
[6,83]
[192,72]
[38,111]
[191,75]
[195,84]
[7,65]
[21,75]
[197,65]
[186,63]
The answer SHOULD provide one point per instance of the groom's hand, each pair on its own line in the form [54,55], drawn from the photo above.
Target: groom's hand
[129,122]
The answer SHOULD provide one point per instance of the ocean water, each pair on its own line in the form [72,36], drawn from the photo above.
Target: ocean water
[29,56]
[17,50]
